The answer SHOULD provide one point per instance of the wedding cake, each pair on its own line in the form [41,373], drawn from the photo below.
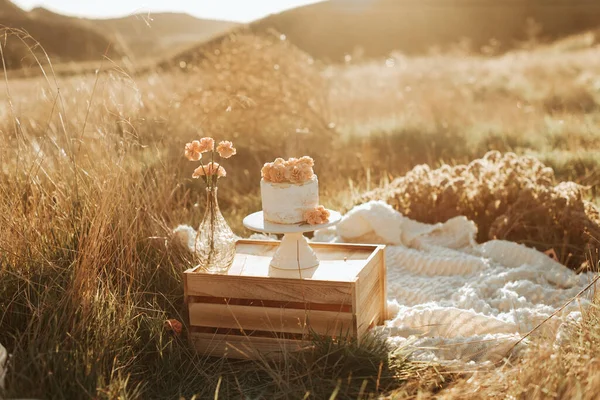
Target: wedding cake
[290,192]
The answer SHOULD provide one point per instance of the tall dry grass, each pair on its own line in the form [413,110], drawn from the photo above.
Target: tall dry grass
[568,370]
[93,180]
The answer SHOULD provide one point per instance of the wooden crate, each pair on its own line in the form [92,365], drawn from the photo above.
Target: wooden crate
[256,309]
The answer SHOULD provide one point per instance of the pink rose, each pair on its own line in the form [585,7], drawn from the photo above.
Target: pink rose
[265,172]
[317,216]
[292,162]
[306,173]
[293,170]
[207,144]
[226,149]
[212,168]
[299,174]
[277,174]
[192,151]
[306,161]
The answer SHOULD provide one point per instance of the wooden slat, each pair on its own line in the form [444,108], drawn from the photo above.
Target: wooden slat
[261,288]
[383,314]
[237,332]
[270,303]
[371,298]
[251,318]
[243,347]
[370,313]
[355,307]
[368,278]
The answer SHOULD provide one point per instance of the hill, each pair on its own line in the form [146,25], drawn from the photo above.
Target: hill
[69,39]
[374,28]
[150,34]
[144,35]
[62,40]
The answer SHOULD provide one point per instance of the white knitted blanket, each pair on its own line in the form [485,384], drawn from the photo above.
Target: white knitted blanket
[456,299]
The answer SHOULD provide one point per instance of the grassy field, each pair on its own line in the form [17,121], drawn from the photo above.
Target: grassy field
[93,180]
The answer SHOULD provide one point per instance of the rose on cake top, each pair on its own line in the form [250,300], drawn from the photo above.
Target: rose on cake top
[293,170]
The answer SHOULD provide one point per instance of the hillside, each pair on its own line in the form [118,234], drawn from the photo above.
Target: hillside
[147,35]
[62,40]
[332,29]
[70,39]
[152,34]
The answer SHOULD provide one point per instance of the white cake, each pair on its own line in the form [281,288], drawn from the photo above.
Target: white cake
[286,203]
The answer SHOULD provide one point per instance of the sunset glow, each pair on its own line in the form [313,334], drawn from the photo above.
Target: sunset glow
[232,10]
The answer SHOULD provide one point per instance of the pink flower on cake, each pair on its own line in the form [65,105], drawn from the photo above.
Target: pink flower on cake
[299,174]
[226,149]
[306,161]
[265,172]
[207,144]
[277,173]
[192,151]
[292,162]
[210,169]
[317,216]
[293,170]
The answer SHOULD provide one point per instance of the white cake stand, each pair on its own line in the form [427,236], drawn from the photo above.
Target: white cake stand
[294,252]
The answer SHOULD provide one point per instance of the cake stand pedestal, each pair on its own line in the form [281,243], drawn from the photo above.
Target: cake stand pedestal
[294,252]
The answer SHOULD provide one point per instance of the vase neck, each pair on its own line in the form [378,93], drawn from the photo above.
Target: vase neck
[211,198]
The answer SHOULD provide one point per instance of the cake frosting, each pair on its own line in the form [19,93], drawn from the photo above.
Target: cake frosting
[286,203]
[290,192]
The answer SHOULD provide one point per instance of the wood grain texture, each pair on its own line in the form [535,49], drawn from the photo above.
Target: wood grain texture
[268,289]
[384,308]
[369,278]
[271,303]
[345,294]
[371,299]
[250,318]
[369,314]
[244,347]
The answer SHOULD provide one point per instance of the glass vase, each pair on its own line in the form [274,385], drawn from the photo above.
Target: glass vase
[215,242]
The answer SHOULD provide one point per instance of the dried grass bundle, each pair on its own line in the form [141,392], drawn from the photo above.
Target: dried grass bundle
[509,197]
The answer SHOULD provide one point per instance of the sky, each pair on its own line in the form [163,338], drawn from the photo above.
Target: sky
[232,10]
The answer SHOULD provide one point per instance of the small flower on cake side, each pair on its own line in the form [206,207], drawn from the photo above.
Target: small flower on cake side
[293,170]
[317,216]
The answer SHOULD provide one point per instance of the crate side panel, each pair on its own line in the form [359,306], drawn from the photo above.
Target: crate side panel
[268,289]
[249,318]
[369,278]
[370,314]
[383,273]
[371,299]
[243,347]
